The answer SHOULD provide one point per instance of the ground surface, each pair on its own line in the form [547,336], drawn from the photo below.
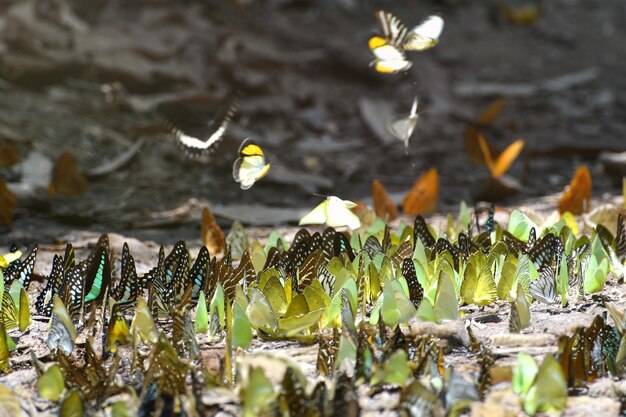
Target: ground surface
[93,80]
[89,80]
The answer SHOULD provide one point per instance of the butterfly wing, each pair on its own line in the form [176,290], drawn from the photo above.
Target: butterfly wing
[394,30]
[316,216]
[389,59]
[506,158]
[544,288]
[403,128]
[196,145]
[425,35]
[338,213]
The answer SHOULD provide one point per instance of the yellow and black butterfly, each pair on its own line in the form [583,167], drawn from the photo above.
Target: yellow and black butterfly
[389,50]
[250,166]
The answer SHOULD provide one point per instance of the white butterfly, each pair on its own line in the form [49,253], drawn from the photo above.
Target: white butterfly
[388,58]
[544,288]
[389,50]
[421,37]
[403,127]
[333,212]
[250,166]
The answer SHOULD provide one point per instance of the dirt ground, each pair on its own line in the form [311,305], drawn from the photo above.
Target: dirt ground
[97,80]
[100,80]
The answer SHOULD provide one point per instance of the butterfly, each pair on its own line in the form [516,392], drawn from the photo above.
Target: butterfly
[195,145]
[61,333]
[15,310]
[97,274]
[543,388]
[326,279]
[384,206]
[421,232]
[334,212]
[403,127]
[71,292]
[577,197]
[519,317]
[44,302]
[490,222]
[67,180]
[620,238]
[544,287]
[237,240]
[388,58]
[198,272]
[416,292]
[127,288]
[422,198]
[499,165]
[250,166]
[21,270]
[545,250]
[389,51]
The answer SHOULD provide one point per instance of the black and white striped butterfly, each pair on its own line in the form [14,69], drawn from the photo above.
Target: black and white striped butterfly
[420,231]
[21,270]
[544,288]
[421,37]
[542,254]
[202,141]
[127,289]
[326,278]
[620,239]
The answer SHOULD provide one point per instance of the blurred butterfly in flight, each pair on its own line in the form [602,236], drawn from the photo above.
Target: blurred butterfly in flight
[250,166]
[389,50]
[403,127]
[203,141]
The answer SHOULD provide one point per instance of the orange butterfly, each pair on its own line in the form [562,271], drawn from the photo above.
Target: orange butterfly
[212,234]
[9,153]
[577,196]
[67,180]
[422,198]
[502,163]
[472,145]
[7,204]
[383,205]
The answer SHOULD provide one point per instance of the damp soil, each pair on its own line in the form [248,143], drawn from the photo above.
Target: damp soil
[96,80]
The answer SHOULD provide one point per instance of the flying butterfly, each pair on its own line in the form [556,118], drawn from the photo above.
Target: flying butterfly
[388,58]
[403,127]
[197,145]
[250,166]
[389,51]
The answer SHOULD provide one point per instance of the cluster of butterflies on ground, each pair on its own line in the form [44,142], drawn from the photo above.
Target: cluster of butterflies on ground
[351,294]
[389,51]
